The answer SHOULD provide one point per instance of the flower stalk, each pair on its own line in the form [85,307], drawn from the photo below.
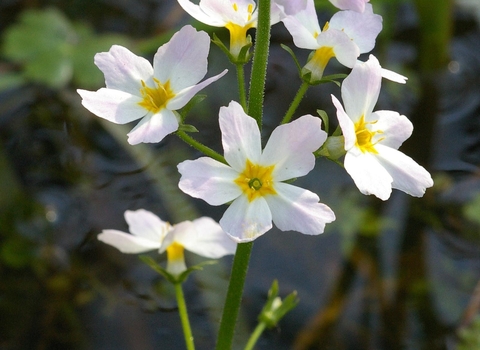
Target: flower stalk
[255,109]
[182,310]
[259,65]
[296,102]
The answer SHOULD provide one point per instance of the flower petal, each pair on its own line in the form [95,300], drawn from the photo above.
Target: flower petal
[408,176]
[344,49]
[153,127]
[392,76]
[209,180]
[123,69]
[113,105]
[211,19]
[291,146]
[225,10]
[207,239]
[346,124]
[145,224]
[240,136]
[183,60]
[362,28]
[245,221]
[355,5]
[185,95]
[395,128]
[294,208]
[303,26]
[361,88]
[368,174]
[127,243]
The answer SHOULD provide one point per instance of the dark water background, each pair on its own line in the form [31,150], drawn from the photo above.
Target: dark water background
[399,274]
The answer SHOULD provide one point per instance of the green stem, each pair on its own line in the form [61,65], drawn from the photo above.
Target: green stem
[234,296]
[255,107]
[182,310]
[200,146]
[259,65]
[255,335]
[241,85]
[296,102]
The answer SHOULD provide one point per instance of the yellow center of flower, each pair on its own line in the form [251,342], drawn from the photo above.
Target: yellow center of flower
[175,252]
[256,181]
[365,136]
[238,33]
[155,99]
[322,56]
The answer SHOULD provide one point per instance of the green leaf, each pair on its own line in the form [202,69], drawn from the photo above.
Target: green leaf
[85,73]
[41,42]
[324,116]
[290,51]
[174,278]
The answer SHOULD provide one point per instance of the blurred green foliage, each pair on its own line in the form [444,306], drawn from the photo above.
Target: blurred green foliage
[470,336]
[52,50]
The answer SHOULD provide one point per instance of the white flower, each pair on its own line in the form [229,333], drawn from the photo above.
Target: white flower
[253,180]
[136,90]
[202,236]
[345,36]
[354,5]
[372,138]
[238,16]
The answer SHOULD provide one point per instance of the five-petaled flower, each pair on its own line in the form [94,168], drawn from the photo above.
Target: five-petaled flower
[238,16]
[135,89]
[202,236]
[345,36]
[372,138]
[254,179]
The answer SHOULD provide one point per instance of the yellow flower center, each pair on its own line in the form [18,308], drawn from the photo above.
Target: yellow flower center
[256,181]
[175,252]
[322,56]
[238,33]
[365,136]
[155,99]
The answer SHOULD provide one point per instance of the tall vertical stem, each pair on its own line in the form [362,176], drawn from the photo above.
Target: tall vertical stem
[255,108]
[259,65]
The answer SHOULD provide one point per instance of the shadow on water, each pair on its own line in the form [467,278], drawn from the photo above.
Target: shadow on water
[403,274]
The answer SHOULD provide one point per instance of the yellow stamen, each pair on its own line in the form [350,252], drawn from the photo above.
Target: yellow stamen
[326,26]
[365,136]
[256,181]
[250,11]
[155,99]
[235,6]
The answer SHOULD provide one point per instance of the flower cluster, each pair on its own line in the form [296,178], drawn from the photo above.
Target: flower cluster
[252,180]
[256,182]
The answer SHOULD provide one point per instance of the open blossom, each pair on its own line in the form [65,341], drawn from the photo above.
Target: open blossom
[136,90]
[202,236]
[254,179]
[238,16]
[372,138]
[345,36]
[354,5]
